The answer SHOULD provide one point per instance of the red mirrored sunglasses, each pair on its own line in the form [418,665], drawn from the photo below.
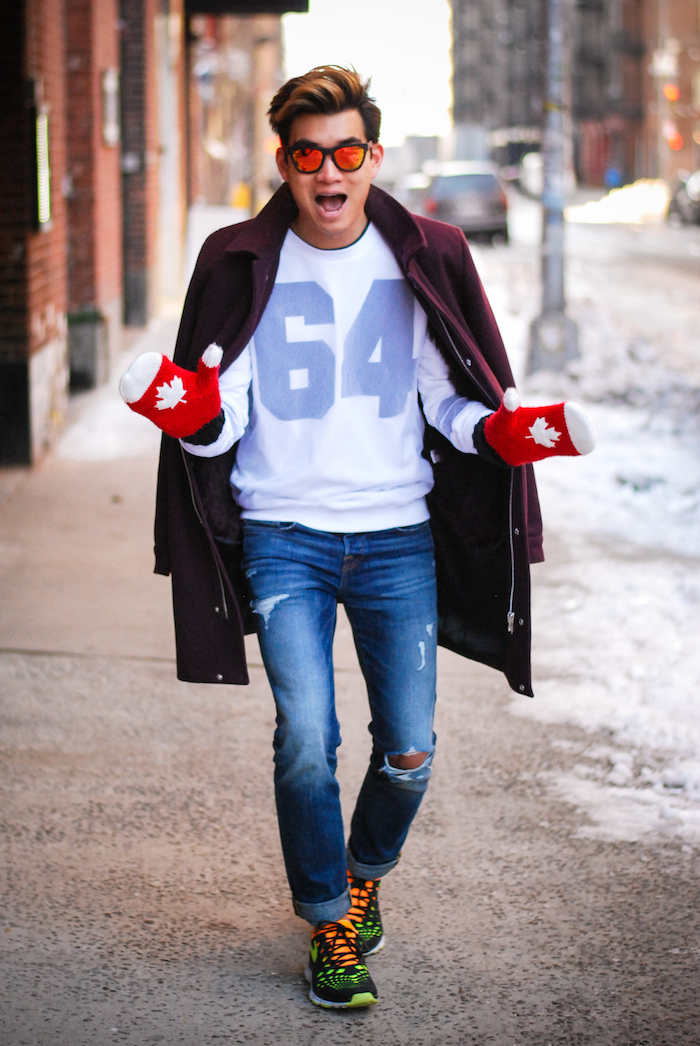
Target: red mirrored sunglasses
[310,158]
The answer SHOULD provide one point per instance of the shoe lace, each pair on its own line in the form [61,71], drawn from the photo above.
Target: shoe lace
[361,896]
[339,943]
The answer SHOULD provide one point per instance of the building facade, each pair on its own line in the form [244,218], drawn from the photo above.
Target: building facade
[33,230]
[498,75]
[102,157]
[633,86]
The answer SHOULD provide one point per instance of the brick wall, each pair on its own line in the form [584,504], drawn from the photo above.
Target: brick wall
[33,300]
[82,117]
[94,207]
[105,226]
[140,157]
[108,265]
[14,197]
[46,272]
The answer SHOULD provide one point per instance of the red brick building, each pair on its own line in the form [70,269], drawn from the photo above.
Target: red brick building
[92,188]
[96,153]
[672,88]
[33,277]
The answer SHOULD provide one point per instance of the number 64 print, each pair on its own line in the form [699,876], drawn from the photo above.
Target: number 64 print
[300,383]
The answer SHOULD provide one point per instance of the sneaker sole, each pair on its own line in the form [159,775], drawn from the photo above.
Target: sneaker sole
[361,1000]
[376,948]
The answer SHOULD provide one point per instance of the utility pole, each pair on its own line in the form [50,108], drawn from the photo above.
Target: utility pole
[553,335]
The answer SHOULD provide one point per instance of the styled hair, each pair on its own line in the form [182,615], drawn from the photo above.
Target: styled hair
[324,90]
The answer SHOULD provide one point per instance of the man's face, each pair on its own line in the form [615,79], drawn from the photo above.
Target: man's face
[331,202]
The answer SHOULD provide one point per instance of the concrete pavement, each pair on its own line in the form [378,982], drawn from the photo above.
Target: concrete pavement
[144,899]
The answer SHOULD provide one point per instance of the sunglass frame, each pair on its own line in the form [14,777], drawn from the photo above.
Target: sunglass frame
[365,146]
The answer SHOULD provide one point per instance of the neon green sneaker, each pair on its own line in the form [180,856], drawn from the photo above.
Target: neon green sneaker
[364,914]
[338,978]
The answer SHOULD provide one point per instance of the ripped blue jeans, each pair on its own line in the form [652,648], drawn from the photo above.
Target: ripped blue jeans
[386,581]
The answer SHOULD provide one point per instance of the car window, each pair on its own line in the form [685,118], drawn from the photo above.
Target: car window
[447,187]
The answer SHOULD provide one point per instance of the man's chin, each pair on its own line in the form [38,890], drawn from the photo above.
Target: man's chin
[331,228]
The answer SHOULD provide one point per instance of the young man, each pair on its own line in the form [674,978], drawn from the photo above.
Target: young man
[354,423]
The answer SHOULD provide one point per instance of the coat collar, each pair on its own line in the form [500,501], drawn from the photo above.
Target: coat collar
[398,227]
[264,235]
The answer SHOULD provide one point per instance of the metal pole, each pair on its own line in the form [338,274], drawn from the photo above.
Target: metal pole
[553,336]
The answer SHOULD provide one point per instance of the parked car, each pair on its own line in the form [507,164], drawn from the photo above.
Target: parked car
[684,206]
[470,195]
[410,190]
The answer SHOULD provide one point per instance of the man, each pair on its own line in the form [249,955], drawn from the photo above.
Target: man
[310,469]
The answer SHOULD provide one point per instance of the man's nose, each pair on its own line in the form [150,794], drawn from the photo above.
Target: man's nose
[328,171]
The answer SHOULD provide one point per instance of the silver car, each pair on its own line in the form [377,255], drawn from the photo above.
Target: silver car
[470,195]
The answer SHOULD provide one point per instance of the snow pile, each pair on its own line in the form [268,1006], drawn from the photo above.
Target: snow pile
[616,606]
[641,484]
[645,200]
[622,370]
[615,624]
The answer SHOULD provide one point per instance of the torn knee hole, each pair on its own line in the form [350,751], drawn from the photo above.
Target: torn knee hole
[407,761]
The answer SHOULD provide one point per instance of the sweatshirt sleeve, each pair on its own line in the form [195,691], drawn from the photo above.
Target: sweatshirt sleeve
[452,415]
[234,386]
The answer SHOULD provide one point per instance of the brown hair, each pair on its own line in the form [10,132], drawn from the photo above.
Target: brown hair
[324,90]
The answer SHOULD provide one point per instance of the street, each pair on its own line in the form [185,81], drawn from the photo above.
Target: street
[549,892]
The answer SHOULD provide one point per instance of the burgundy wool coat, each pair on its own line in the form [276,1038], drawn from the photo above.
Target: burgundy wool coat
[485,519]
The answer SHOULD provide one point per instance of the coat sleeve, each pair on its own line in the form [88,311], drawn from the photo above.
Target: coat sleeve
[169,448]
[485,329]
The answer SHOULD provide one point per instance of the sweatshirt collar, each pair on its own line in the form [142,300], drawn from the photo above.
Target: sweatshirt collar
[264,235]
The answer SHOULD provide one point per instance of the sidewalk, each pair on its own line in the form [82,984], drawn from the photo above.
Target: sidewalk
[144,894]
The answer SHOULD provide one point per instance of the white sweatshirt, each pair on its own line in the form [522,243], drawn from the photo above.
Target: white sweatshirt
[324,399]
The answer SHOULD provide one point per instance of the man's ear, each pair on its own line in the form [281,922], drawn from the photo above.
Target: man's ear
[377,157]
[281,160]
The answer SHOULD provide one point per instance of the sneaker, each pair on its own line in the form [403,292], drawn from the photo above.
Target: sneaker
[338,978]
[364,914]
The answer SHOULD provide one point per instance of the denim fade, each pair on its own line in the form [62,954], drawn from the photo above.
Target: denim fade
[386,581]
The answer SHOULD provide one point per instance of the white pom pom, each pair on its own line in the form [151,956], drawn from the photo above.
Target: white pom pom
[211,357]
[581,431]
[140,376]
[511,400]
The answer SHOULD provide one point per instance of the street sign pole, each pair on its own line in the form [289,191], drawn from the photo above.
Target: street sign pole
[553,335]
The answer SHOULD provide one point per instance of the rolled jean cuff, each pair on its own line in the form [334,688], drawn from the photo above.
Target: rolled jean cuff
[323,911]
[369,871]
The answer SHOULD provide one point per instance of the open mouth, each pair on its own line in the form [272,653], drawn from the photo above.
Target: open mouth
[330,203]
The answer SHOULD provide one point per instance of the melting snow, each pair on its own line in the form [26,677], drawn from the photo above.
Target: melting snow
[616,609]
[615,623]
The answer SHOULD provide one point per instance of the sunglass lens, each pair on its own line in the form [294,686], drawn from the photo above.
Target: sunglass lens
[307,160]
[349,157]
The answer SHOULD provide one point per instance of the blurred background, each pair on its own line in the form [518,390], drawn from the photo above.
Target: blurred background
[132,128]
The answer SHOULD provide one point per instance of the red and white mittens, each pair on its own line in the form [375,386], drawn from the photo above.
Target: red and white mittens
[521,435]
[178,401]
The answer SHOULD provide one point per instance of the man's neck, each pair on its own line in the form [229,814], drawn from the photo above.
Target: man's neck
[325,246]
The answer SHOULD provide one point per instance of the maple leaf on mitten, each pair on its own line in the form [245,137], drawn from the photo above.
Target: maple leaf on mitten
[521,435]
[178,401]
